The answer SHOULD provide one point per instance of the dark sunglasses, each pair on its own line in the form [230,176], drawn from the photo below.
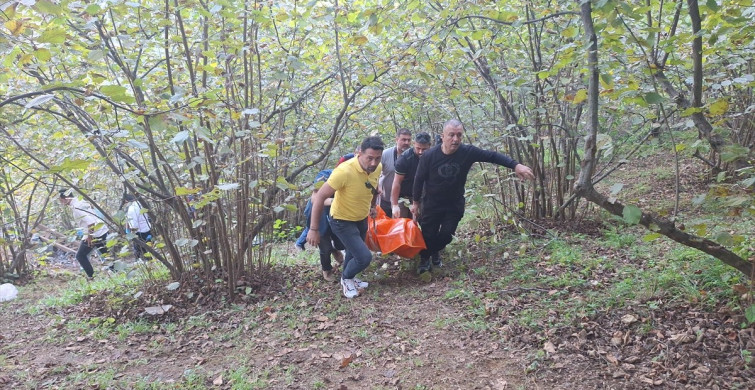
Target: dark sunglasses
[368,185]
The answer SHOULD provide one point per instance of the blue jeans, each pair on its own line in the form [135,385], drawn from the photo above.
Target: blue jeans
[303,237]
[351,234]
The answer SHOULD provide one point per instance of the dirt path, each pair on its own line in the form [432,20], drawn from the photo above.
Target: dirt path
[400,333]
[473,326]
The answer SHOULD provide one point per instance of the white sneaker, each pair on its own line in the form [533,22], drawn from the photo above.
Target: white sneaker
[349,288]
[360,283]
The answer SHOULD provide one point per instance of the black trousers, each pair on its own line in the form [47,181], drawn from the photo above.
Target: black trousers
[439,223]
[328,243]
[142,239]
[82,255]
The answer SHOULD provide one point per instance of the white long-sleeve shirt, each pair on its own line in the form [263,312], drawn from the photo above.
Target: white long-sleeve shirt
[137,220]
[84,215]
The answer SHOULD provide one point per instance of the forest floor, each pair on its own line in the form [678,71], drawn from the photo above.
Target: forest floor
[588,305]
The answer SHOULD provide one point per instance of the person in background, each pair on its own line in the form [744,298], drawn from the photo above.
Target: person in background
[354,185]
[95,236]
[301,241]
[138,223]
[329,244]
[406,167]
[439,188]
[390,155]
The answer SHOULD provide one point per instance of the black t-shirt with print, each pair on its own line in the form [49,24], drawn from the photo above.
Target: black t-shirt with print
[440,178]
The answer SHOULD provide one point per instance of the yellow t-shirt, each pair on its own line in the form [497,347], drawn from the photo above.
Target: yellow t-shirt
[353,197]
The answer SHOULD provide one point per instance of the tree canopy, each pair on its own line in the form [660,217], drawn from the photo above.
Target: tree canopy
[227,107]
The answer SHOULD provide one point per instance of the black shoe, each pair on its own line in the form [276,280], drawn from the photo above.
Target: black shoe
[424,266]
[437,261]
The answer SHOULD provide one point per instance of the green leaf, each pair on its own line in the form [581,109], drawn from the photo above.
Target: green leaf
[53,35]
[712,5]
[654,98]
[70,165]
[631,214]
[180,137]
[651,237]
[750,314]
[734,152]
[42,54]
[48,7]
[724,239]
[113,91]
[95,55]
[606,80]
[157,123]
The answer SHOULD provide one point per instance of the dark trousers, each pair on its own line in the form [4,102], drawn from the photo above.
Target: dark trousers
[438,223]
[82,255]
[328,242]
[143,239]
[351,234]
[386,206]
[405,212]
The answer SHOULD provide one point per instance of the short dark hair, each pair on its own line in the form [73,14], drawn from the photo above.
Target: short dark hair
[403,131]
[422,138]
[373,142]
[129,197]
[66,193]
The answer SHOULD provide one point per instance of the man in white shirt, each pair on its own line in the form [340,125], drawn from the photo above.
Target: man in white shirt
[95,230]
[138,223]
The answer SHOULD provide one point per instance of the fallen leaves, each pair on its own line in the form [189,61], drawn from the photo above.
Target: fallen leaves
[549,347]
[628,319]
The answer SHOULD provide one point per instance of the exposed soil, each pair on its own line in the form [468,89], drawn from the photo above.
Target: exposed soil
[401,333]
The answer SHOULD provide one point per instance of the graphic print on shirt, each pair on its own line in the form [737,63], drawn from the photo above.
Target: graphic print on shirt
[449,171]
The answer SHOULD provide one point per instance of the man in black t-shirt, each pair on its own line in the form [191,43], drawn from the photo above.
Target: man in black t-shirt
[439,187]
[405,167]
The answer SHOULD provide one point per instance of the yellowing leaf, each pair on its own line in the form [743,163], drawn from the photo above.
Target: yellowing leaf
[25,59]
[690,111]
[16,27]
[360,40]
[53,35]
[719,107]
[181,191]
[580,96]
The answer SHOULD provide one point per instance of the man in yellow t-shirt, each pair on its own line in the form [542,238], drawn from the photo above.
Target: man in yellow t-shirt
[354,184]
